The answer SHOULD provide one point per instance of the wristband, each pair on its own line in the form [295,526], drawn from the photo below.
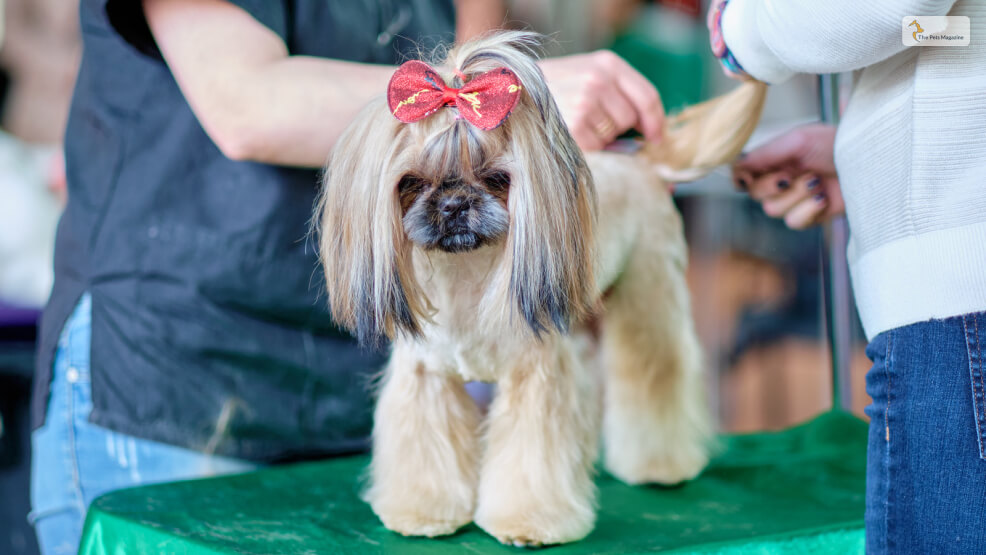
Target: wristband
[730,66]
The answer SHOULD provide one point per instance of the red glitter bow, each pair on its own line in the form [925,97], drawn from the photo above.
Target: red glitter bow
[417,91]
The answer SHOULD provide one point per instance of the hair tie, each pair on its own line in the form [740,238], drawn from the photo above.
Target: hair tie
[416,91]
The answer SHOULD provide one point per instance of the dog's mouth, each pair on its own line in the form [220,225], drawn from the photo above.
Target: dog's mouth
[456,227]
[460,241]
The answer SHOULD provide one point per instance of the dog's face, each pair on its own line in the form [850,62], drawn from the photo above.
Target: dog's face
[456,212]
[395,191]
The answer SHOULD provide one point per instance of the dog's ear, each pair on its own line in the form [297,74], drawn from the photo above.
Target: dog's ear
[551,243]
[364,251]
[704,136]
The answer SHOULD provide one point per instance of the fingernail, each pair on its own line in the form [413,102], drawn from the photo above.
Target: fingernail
[813,183]
[820,197]
[742,183]
[783,184]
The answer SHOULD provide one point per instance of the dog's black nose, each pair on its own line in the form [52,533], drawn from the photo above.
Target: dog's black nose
[453,207]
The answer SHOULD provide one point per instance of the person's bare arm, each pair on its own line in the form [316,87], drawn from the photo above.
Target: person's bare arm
[254,100]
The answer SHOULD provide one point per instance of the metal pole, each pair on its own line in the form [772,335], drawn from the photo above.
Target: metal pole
[838,290]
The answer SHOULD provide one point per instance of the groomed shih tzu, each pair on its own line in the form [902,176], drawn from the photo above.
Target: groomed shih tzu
[459,219]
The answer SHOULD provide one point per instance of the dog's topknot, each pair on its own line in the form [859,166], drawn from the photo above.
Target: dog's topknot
[518,51]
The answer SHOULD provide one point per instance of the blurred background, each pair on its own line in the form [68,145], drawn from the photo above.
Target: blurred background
[757,286]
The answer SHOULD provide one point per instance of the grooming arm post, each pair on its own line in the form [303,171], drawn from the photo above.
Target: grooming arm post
[838,290]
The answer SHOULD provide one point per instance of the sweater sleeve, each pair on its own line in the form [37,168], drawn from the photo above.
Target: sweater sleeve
[774,39]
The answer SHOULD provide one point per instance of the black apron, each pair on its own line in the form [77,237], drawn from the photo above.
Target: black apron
[210,329]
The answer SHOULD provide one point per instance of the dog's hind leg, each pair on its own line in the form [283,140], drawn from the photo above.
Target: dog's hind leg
[536,480]
[656,426]
[425,451]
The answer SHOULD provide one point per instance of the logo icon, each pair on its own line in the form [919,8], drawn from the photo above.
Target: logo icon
[918,29]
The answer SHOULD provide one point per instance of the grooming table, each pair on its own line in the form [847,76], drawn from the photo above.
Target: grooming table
[795,491]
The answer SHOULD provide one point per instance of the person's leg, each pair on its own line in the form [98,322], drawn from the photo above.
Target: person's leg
[927,473]
[75,461]
[57,507]
[876,453]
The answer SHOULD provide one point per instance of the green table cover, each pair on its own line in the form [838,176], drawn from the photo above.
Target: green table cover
[795,491]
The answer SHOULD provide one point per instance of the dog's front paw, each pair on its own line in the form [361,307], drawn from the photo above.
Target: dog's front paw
[416,523]
[421,514]
[416,516]
[537,527]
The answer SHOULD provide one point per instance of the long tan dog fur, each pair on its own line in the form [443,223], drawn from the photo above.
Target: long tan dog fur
[592,236]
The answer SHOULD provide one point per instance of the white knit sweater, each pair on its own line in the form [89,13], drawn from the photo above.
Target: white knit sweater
[911,148]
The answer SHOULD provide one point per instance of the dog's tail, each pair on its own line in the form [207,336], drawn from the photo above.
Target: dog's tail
[706,135]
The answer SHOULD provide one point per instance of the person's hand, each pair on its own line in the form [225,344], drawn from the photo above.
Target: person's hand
[794,177]
[600,97]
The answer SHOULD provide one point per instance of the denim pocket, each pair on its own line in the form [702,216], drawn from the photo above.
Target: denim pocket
[975,337]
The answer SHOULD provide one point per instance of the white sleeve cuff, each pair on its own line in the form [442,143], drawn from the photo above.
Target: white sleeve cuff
[742,35]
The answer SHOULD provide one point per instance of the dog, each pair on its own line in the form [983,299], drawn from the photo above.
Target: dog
[467,226]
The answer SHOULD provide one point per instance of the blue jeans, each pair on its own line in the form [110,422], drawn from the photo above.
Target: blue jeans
[73,461]
[926,461]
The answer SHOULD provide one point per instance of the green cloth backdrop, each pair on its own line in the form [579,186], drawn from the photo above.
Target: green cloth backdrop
[796,491]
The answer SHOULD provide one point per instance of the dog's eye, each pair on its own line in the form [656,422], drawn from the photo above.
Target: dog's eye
[410,184]
[497,182]
[408,190]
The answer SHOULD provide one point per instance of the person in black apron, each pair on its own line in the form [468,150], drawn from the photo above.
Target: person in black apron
[187,333]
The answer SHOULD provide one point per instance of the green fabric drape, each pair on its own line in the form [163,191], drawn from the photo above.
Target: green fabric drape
[800,490]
